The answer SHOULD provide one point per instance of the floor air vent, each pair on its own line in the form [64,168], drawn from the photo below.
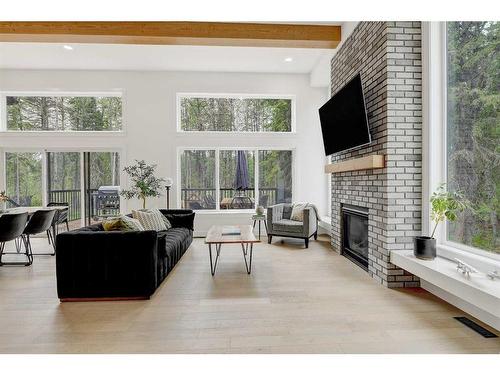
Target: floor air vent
[475,327]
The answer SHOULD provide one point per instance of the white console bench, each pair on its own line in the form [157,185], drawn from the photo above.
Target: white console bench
[477,294]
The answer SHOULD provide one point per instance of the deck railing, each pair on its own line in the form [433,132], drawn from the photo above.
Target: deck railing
[204,198]
[72,197]
[195,198]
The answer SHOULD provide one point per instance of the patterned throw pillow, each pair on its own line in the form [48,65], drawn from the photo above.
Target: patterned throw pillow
[158,212]
[298,211]
[133,223]
[150,220]
[122,223]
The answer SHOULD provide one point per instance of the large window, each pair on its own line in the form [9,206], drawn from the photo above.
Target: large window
[199,113]
[23,172]
[198,179]
[64,113]
[88,182]
[237,179]
[275,177]
[473,130]
[226,179]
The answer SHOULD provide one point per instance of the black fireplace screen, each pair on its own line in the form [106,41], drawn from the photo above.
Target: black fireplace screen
[355,238]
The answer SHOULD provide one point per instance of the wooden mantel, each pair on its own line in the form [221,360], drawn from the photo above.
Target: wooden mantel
[358,164]
[175,33]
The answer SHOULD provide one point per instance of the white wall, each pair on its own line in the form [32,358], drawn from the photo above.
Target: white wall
[149,117]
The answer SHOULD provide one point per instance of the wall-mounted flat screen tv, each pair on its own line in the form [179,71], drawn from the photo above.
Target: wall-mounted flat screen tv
[344,123]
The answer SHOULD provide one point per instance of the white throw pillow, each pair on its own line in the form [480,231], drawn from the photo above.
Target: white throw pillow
[150,220]
[298,211]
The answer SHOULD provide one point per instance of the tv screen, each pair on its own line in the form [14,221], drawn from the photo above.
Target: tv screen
[344,123]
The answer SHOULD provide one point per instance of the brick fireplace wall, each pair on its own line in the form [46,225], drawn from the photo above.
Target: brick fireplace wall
[388,56]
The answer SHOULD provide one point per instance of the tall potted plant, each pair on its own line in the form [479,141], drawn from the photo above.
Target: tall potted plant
[445,205]
[144,182]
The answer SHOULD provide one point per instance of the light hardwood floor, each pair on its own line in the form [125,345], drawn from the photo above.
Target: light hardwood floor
[295,301]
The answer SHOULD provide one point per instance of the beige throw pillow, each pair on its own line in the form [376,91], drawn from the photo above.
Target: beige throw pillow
[150,220]
[298,211]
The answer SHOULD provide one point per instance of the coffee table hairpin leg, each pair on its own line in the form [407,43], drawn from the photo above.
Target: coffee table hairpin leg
[244,247]
[213,266]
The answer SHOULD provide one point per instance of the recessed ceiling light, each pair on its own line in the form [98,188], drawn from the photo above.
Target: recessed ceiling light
[68,48]
[288,59]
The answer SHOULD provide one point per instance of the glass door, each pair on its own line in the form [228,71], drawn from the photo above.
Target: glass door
[24,178]
[101,185]
[64,183]
[88,182]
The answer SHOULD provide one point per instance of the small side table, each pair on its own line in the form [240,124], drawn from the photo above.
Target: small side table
[259,218]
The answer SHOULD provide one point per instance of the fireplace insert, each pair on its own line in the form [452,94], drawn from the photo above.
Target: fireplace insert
[355,234]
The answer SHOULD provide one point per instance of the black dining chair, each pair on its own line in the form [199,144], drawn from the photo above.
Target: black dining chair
[13,203]
[39,222]
[11,229]
[60,217]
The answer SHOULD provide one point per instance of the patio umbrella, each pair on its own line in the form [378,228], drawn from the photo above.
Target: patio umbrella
[241,178]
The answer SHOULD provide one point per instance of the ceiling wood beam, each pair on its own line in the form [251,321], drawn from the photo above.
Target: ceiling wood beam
[174,33]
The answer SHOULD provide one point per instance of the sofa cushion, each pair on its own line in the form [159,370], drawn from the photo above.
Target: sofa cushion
[287,211]
[172,244]
[181,220]
[167,237]
[91,228]
[287,225]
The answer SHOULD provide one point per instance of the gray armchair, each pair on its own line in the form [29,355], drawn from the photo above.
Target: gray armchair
[279,223]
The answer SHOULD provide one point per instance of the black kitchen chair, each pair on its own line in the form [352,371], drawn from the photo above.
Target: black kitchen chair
[12,203]
[11,229]
[39,222]
[60,217]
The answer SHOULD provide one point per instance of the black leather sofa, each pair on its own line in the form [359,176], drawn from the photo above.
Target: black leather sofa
[92,264]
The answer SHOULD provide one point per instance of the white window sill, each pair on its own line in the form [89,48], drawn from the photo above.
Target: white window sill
[478,290]
[57,133]
[204,133]
[225,212]
[484,263]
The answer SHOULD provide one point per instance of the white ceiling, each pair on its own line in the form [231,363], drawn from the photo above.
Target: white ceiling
[168,58]
[157,57]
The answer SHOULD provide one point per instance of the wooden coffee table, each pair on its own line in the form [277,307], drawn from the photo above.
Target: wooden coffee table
[231,234]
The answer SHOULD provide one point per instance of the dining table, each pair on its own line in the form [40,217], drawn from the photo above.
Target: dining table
[31,210]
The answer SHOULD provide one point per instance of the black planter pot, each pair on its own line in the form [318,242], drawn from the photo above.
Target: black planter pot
[424,247]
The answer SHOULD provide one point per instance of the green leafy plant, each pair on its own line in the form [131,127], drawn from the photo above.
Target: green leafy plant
[144,183]
[446,205]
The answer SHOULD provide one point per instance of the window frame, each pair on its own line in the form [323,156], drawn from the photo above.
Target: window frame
[217,150]
[4,119]
[182,95]
[435,148]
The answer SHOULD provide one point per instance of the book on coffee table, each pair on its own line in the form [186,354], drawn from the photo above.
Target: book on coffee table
[231,231]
